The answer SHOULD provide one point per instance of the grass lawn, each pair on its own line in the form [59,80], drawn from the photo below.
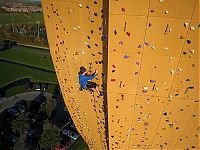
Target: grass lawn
[10,73]
[20,18]
[15,90]
[79,145]
[29,56]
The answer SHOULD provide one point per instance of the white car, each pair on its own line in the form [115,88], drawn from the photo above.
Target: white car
[70,134]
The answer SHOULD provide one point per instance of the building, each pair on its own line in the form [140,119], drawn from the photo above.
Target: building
[18,7]
[147,54]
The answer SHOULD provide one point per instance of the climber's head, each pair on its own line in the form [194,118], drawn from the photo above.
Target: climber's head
[82,70]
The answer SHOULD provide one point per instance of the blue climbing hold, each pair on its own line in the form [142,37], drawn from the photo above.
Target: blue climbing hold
[189,42]
[88,46]
[95,14]
[126,57]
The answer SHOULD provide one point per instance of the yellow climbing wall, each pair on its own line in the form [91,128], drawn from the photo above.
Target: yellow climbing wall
[74,30]
[150,70]
[153,74]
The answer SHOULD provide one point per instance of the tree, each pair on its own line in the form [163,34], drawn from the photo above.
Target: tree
[21,124]
[48,107]
[50,137]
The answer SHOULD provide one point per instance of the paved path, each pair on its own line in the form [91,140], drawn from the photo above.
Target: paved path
[9,102]
[33,46]
[26,66]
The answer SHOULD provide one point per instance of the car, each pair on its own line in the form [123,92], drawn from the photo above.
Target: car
[70,134]
[14,111]
[73,126]
[42,100]
[11,138]
[22,105]
[37,87]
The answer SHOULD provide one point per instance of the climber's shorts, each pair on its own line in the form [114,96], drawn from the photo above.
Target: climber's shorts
[91,85]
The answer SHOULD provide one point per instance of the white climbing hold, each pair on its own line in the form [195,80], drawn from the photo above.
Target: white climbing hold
[145,88]
[80,5]
[78,27]
[153,47]
[165,48]
[191,51]
[179,69]
[186,24]
[170,57]
[75,28]
[172,71]
[166,12]
[192,28]
[161,1]
[170,29]
[170,96]
[163,82]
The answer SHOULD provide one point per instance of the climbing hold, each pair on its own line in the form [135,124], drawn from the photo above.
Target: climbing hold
[199,25]
[91,31]
[121,42]
[137,62]
[184,53]
[126,57]
[115,32]
[189,42]
[152,11]
[165,114]
[182,37]
[179,69]
[123,9]
[80,5]
[128,33]
[150,24]
[166,12]
[153,47]
[192,28]
[152,81]
[113,79]
[140,46]
[187,80]
[165,48]
[136,73]
[95,14]
[88,37]
[172,71]
[191,51]
[186,24]
[88,46]
[147,44]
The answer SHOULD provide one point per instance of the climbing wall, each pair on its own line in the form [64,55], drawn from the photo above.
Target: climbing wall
[75,38]
[149,69]
[153,74]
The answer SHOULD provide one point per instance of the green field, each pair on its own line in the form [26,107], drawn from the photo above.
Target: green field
[29,56]
[10,73]
[20,18]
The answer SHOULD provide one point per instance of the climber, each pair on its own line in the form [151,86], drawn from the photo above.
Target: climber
[84,80]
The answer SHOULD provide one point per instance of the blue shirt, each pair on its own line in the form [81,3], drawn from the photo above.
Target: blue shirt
[83,80]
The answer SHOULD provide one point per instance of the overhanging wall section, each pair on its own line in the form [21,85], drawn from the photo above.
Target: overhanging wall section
[153,74]
[74,30]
